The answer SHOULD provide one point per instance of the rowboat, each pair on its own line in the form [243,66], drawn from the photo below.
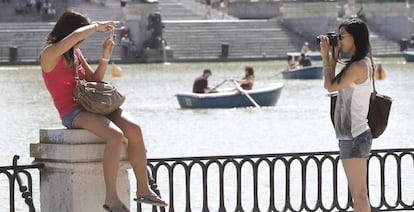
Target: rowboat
[409,56]
[314,56]
[267,96]
[309,72]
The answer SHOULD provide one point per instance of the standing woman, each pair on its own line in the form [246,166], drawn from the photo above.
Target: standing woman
[58,62]
[354,86]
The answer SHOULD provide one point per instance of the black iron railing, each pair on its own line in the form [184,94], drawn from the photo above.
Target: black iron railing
[13,174]
[281,182]
[267,182]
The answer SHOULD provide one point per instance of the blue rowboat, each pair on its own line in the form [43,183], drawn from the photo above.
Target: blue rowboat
[409,56]
[309,72]
[267,96]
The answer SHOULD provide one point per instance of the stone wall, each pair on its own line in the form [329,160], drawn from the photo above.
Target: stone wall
[249,10]
[392,20]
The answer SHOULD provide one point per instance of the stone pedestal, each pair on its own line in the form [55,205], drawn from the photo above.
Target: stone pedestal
[136,18]
[72,179]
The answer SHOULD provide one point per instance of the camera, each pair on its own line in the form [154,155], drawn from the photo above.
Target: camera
[332,36]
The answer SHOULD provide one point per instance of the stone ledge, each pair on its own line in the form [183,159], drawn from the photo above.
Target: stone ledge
[70,146]
[68,136]
[70,153]
[89,167]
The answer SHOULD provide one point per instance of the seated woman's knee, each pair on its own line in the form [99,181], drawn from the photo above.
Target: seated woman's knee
[116,138]
[132,128]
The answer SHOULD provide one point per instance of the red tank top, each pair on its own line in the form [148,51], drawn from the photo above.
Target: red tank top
[61,83]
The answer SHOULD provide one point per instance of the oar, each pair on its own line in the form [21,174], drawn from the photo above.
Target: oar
[215,87]
[245,93]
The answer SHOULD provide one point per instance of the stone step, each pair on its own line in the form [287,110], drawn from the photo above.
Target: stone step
[179,10]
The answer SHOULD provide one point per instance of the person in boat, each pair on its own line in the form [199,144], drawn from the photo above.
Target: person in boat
[247,81]
[304,60]
[354,87]
[305,48]
[291,62]
[59,58]
[200,84]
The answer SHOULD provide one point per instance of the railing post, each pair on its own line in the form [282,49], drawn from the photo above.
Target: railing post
[72,179]
[26,193]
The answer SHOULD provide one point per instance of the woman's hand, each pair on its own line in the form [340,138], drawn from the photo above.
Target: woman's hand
[105,26]
[108,46]
[325,46]
[326,50]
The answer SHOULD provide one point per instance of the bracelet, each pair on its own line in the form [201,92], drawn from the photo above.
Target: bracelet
[105,59]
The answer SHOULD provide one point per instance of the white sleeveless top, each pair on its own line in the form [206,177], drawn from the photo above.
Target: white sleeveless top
[352,107]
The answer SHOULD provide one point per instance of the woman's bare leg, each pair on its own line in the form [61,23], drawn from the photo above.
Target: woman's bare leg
[104,128]
[356,173]
[136,151]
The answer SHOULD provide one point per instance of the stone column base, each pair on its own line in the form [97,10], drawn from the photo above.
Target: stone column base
[72,179]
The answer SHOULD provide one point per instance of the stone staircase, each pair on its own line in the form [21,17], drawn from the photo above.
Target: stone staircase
[194,36]
[245,39]
[298,18]
[177,10]
[382,46]
[29,35]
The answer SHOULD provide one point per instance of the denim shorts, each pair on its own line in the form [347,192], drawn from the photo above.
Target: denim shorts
[359,147]
[70,117]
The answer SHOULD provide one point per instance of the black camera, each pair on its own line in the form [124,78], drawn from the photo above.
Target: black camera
[333,38]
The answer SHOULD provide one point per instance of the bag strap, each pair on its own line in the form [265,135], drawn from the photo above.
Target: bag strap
[75,68]
[374,93]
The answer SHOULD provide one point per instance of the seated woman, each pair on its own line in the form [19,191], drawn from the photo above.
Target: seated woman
[59,59]
[247,81]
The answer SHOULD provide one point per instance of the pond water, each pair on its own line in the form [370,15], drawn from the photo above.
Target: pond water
[298,123]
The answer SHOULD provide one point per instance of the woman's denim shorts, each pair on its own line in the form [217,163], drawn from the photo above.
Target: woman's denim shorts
[359,147]
[70,117]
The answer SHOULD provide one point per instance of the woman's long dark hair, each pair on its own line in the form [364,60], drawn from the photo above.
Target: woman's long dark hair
[68,22]
[250,71]
[359,31]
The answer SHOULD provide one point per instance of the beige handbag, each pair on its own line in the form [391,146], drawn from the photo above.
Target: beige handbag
[96,97]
